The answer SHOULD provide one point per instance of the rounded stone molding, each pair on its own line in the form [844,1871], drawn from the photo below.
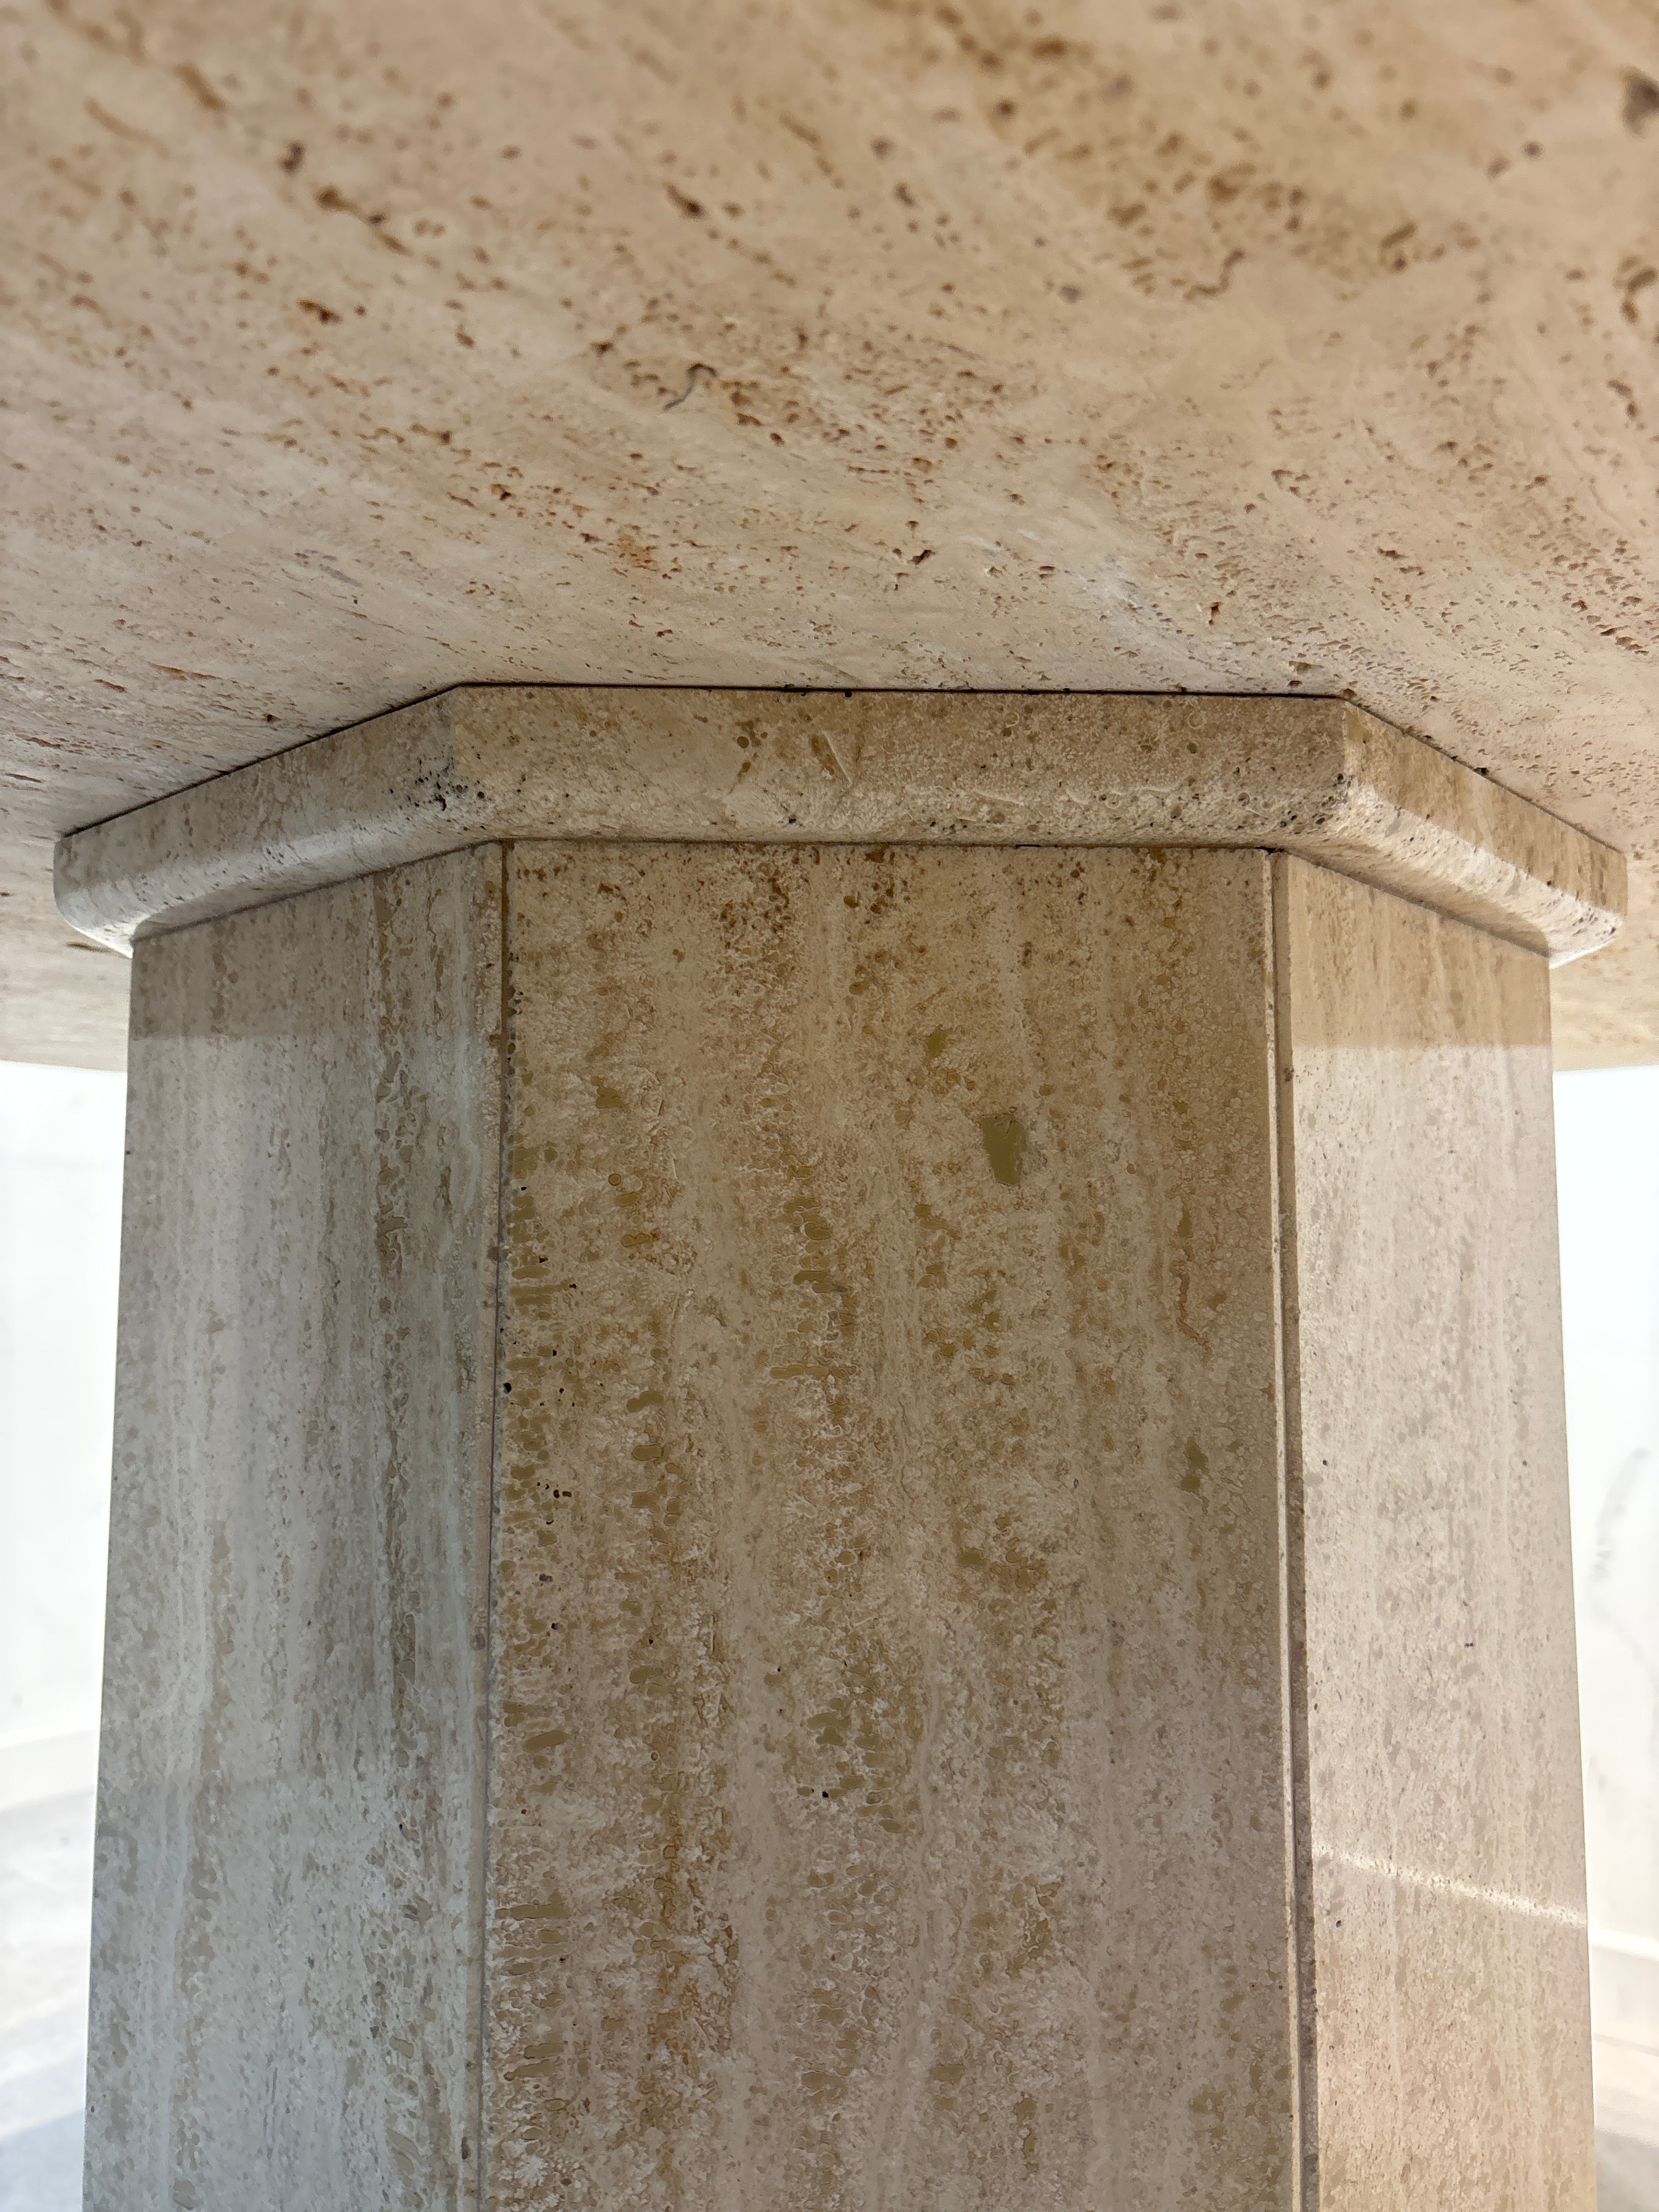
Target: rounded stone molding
[485,763]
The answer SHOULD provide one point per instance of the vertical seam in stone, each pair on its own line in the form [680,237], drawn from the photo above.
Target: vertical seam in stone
[493,1257]
[1299,1838]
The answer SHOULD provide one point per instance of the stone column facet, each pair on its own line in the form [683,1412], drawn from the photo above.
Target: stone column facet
[863,1509]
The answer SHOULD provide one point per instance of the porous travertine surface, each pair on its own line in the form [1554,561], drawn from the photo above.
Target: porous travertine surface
[508,763]
[887,1762]
[1439,1738]
[288,1894]
[1261,345]
[850,1527]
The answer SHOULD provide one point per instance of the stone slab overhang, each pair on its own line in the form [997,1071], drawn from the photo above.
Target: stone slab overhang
[481,764]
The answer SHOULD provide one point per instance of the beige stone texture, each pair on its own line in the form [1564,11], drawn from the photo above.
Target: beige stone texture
[887,1771]
[1439,1746]
[1256,346]
[1024,1652]
[285,1976]
[1309,776]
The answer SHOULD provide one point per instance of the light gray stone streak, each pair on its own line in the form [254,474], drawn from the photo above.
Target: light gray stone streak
[1447,1899]
[288,1893]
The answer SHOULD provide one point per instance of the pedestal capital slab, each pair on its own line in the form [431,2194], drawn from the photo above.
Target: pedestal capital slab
[500,763]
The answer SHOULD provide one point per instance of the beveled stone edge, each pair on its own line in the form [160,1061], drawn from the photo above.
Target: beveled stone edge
[482,764]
